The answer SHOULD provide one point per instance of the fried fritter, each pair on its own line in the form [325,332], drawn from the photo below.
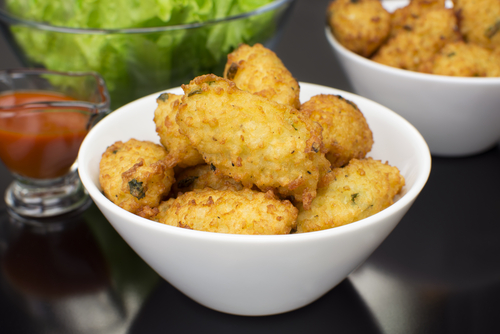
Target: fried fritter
[465,60]
[405,17]
[479,21]
[496,51]
[411,49]
[181,152]
[229,211]
[252,139]
[200,177]
[346,134]
[359,190]
[135,176]
[258,70]
[361,26]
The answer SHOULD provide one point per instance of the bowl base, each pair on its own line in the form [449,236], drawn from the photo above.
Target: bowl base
[46,200]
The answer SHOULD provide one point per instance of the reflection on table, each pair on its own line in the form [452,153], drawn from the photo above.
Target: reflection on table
[71,274]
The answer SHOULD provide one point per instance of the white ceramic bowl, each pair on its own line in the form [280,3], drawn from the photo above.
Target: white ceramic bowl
[457,116]
[257,275]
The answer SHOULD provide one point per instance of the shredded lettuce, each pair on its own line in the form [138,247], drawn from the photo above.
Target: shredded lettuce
[135,65]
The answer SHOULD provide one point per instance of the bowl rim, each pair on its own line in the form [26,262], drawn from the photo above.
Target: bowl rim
[412,75]
[9,18]
[404,201]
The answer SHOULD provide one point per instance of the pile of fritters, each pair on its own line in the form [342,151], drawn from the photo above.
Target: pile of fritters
[241,154]
[424,36]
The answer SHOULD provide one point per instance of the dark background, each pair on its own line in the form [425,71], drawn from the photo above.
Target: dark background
[438,272]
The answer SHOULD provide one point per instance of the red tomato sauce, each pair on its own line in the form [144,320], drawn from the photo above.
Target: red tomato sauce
[41,144]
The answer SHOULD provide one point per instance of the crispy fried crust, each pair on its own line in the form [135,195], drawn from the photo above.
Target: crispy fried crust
[229,211]
[479,21]
[465,60]
[411,49]
[346,134]
[496,51]
[361,26]
[404,18]
[258,70]
[180,150]
[135,176]
[252,139]
[359,190]
[200,177]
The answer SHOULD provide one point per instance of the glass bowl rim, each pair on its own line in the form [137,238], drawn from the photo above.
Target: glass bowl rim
[8,18]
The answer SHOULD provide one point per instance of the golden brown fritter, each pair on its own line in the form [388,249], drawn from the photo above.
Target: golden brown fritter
[135,176]
[359,190]
[346,134]
[258,70]
[200,177]
[496,51]
[479,21]
[252,139]
[180,150]
[465,60]
[411,49]
[405,17]
[229,211]
[361,26]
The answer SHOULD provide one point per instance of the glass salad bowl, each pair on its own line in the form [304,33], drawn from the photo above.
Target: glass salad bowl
[138,47]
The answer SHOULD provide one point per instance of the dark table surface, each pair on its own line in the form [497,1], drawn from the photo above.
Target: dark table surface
[438,272]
